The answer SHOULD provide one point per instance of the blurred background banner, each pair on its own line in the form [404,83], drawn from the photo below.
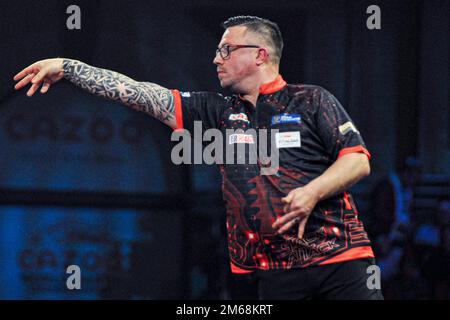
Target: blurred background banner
[60,144]
[38,244]
[90,182]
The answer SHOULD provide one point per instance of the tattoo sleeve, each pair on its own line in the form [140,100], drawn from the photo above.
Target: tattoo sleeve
[142,96]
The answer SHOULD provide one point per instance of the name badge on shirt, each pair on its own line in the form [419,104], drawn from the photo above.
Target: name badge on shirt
[287,139]
[347,127]
[241,138]
[286,118]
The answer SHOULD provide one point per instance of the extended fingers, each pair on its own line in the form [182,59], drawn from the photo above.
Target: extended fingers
[301,227]
[24,72]
[24,81]
[45,87]
[40,76]
[32,89]
[288,225]
[280,222]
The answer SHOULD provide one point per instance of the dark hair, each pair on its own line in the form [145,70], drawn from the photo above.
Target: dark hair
[265,28]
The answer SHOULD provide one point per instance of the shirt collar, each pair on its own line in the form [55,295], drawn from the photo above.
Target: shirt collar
[273,86]
[270,87]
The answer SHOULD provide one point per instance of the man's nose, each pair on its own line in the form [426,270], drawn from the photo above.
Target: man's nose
[217,59]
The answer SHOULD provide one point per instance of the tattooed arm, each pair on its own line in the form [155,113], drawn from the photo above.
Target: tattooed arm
[142,96]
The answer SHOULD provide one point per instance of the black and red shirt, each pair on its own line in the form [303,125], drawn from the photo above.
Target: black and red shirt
[313,131]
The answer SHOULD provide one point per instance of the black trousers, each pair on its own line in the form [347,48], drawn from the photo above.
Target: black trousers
[340,281]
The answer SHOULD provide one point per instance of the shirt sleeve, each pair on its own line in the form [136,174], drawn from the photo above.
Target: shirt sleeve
[336,129]
[205,107]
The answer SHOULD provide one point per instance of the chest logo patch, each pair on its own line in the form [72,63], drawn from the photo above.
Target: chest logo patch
[241,138]
[286,118]
[287,139]
[238,116]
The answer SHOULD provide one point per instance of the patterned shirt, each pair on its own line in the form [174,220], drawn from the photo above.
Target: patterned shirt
[312,131]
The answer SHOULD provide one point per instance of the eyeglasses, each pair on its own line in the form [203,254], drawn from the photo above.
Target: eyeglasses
[226,49]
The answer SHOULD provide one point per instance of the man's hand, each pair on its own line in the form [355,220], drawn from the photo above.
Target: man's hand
[45,72]
[299,204]
[340,176]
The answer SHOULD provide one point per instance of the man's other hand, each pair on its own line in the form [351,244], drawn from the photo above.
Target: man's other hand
[298,205]
[44,72]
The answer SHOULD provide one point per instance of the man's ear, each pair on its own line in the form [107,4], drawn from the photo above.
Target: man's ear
[262,57]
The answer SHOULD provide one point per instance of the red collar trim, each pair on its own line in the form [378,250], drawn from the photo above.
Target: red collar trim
[273,86]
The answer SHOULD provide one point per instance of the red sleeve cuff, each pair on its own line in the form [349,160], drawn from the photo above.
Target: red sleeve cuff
[354,149]
[178,110]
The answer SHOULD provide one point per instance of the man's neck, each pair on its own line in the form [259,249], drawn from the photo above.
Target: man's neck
[263,78]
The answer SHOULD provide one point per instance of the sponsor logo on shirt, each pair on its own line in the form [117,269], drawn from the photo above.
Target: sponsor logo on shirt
[286,118]
[238,116]
[185,94]
[346,127]
[287,139]
[241,138]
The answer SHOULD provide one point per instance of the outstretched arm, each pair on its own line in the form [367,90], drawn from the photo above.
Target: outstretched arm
[142,96]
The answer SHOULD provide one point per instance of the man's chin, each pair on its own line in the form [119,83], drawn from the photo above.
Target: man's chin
[228,86]
[224,84]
